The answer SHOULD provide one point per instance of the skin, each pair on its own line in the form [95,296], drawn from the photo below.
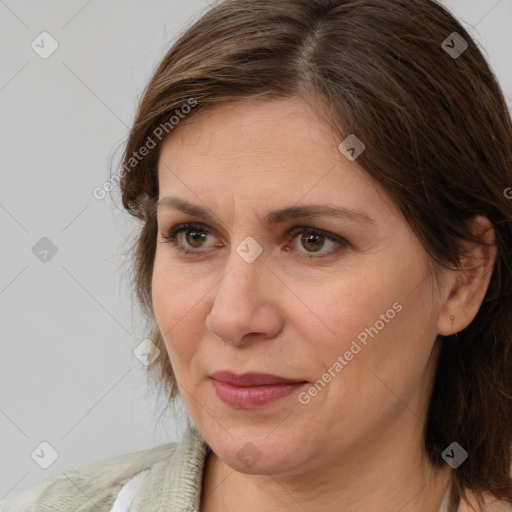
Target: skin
[358,444]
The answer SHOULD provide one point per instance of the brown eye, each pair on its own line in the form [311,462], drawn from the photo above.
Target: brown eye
[195,238]
[312,242]
[192,242]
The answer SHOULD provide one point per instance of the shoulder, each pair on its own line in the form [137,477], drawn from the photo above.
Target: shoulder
[90,487]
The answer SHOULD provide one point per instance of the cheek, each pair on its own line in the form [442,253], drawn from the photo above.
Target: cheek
[174,292]
[333,313]
[178,304]
[373,323]
[165,295]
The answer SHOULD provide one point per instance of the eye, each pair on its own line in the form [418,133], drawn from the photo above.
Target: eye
[195,235]
[312,239]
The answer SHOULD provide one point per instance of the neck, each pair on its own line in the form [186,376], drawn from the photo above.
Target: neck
[381,475]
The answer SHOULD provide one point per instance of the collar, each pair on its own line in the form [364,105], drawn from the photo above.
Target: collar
[174,483]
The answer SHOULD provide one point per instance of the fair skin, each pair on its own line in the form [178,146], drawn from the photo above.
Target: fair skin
[357,445]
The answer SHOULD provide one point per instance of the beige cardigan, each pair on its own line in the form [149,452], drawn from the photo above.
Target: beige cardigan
[172,485]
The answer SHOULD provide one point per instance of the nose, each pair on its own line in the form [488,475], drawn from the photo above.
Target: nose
[245,305]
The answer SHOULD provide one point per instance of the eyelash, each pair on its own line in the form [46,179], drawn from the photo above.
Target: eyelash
[170,237]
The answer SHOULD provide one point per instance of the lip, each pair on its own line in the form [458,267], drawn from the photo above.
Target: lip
[251,390]
[252,379]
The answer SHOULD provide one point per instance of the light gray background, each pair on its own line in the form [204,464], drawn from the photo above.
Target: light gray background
[67,371]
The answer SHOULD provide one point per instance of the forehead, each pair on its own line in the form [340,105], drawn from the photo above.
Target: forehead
[238,129]
[272,151]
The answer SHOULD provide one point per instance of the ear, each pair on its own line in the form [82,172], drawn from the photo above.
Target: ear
[466,288]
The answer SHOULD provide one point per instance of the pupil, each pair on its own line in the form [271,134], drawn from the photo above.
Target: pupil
[195,236]
[311,239]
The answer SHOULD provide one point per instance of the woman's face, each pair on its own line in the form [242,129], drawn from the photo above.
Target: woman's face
[353,318]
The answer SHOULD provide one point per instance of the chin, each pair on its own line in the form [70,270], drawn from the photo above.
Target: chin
[259,451]
[245,461]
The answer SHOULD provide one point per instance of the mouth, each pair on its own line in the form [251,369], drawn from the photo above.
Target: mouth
[252,390]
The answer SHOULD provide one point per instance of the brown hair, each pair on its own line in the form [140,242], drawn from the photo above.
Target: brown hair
[438,137]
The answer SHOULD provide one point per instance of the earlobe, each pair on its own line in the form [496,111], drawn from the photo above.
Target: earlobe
[467,288]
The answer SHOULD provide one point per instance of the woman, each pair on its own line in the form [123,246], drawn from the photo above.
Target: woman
[324,260]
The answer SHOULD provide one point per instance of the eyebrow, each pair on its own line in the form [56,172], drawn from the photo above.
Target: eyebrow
[275,216]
